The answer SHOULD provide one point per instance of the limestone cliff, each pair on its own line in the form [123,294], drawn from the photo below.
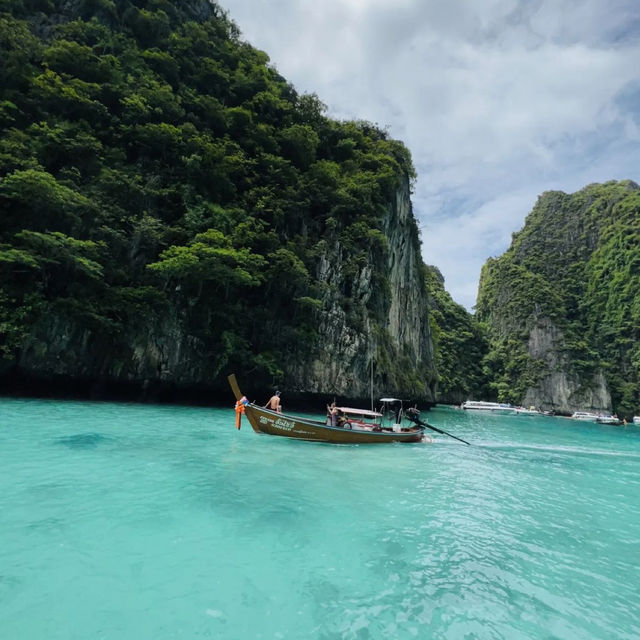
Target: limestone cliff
[180,212]
[460,345]
[559,388]
[390,329]
[562,303]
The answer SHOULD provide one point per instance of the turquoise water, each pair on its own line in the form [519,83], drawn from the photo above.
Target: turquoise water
[126,521]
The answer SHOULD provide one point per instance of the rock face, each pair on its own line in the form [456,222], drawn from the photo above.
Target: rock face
[557,389]
[387,328]
[394,338]
[159,352]
[561,304]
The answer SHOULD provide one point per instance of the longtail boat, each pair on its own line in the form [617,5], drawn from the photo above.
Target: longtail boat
[360,426]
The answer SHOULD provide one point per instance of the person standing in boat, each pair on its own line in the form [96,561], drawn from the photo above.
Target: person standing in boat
[274,403]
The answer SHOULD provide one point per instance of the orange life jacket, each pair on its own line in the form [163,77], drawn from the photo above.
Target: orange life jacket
[239,411]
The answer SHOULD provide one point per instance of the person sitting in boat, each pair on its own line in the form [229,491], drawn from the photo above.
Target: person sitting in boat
[343,420]
[274,403]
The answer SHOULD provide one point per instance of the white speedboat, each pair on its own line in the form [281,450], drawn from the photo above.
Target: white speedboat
[608,420]
[636,419]
[488,407]
[585,416]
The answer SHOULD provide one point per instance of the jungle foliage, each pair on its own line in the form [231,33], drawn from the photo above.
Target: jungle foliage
[151,158]
[576,263]
[460,345]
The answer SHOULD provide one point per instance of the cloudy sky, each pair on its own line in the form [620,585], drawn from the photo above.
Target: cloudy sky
[498,100]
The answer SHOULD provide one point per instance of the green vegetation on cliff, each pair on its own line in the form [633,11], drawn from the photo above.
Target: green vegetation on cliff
[575,265]
[152,164]
[460,346]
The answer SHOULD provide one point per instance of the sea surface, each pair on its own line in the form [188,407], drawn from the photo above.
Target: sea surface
[136,522]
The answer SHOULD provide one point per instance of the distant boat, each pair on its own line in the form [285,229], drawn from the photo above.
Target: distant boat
[488,407]
[636,419]
[608,420]
[360,426]
[532,411]
[585,416]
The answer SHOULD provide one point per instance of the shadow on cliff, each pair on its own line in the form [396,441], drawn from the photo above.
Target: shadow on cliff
[155,392]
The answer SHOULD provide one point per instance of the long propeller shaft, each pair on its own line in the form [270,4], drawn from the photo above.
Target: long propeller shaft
[422,423]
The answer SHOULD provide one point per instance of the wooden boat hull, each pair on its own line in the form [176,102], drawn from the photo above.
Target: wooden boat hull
[280,424]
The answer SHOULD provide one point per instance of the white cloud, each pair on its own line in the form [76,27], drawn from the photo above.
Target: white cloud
[497,101]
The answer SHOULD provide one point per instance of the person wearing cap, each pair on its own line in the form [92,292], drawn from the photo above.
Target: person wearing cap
[274,403]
